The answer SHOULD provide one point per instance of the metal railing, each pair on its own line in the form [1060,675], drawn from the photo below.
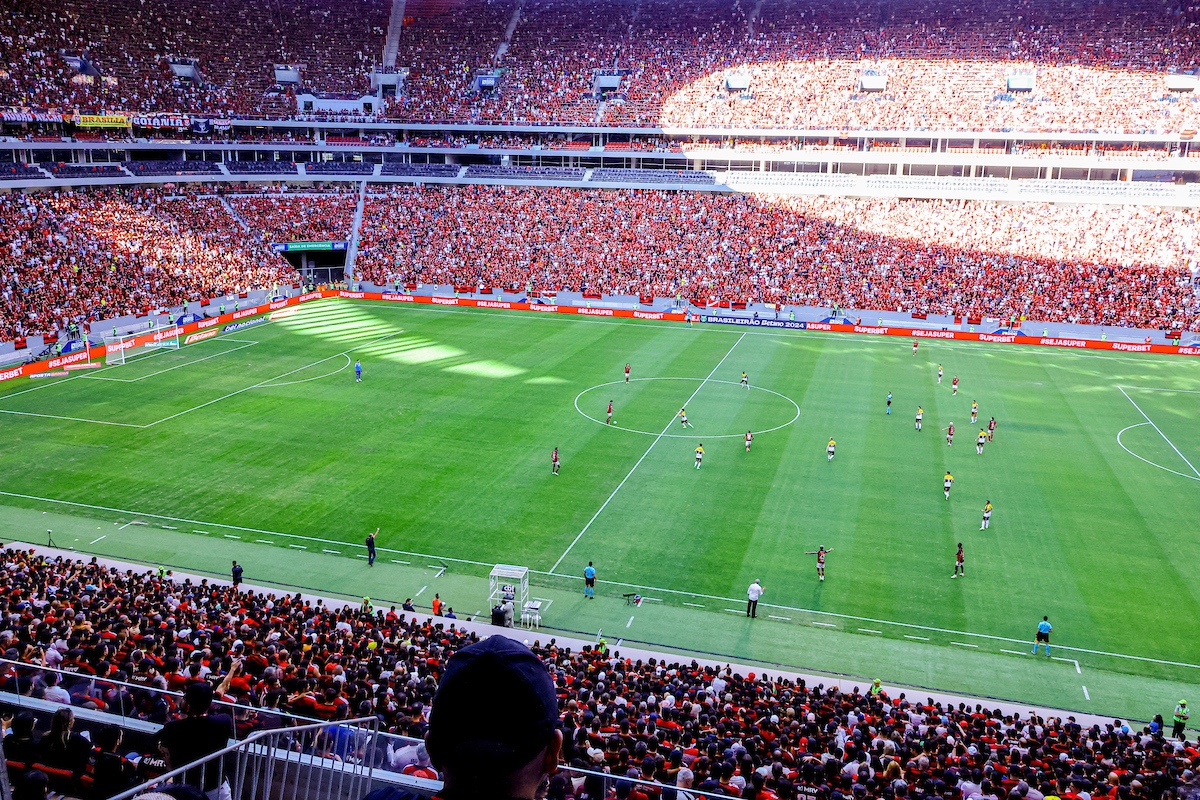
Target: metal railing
[126,708]
[309,762]
[305,759]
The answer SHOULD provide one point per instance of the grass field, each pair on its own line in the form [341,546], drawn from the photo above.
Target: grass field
[242,445]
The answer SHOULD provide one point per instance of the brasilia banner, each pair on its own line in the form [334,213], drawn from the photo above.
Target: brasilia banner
[101,121]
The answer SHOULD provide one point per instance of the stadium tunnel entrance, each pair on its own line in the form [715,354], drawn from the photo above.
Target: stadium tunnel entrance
[317,262]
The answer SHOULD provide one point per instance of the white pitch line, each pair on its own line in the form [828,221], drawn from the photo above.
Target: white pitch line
[169,527]
[870,630]
[326,550]
[825,624]
[231,536]
[265,383]
[734,610]
[93,541]
[420,591]
[772,616]
[264,541]
[396,561]
[197,530]
[693,595]
[440,572]
[1086,696]
[1160,433]
[694,605]
[657,439]
[298,546]
[651,599]
[71,419]
[627,624]
[1069,661]
[98,377]
[964,644]
[126,525]
[1015,652]
[1148,461]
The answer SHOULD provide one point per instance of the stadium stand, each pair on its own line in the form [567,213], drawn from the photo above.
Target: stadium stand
[155,168]
[943,65]
[1114,266]
[422,170]
[672,176]
[261,167]
[20,172]
[529,173]
[286,218]
[122,640]
[100,171]
[338,168]
[92,255]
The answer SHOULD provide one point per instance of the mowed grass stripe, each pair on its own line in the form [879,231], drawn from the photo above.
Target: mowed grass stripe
[457,462]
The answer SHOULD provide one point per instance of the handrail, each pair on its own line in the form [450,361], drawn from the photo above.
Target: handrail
[25,665]
[246,744]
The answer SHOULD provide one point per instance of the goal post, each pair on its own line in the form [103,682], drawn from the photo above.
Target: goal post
[117,347]
[121,345]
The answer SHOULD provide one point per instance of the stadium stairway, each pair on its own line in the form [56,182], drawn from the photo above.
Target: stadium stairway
[355,227]
[234,214]
[391,45]
[502,48]
[752,19]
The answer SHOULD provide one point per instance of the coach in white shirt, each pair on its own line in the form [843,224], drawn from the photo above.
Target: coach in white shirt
[752,594]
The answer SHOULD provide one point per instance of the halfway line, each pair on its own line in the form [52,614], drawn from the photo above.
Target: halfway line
[663,433]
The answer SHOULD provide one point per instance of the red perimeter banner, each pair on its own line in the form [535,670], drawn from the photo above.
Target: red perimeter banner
[38,367]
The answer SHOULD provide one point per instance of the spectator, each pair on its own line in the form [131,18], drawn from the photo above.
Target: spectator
[494,724]
[197,735]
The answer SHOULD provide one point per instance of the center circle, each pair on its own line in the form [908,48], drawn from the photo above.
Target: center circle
[792,409]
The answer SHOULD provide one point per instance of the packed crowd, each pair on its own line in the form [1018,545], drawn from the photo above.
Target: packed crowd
[944,63]
[303,218]
[126,639]
[76,257]
[234,43]
[1110,266]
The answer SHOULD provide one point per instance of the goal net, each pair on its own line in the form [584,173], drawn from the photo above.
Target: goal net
[121,345]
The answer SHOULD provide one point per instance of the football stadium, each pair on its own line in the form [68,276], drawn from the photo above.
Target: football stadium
[598,400]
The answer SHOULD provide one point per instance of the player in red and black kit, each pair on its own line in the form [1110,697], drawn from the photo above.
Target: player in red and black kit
[554,462]
[950,435]
[627,373]
[954,383]
[914,348]
[609,420]
[991,428]
[959,563]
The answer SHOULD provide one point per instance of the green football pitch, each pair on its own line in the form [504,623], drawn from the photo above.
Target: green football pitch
[260,445]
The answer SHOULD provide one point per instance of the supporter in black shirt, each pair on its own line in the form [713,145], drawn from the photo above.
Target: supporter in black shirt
[197,735]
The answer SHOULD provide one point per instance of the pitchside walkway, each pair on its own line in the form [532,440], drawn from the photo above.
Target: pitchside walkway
[818,648]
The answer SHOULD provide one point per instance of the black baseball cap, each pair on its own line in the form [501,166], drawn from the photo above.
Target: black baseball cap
[494,711]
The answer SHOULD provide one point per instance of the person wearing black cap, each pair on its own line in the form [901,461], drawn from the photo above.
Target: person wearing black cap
[493,726]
